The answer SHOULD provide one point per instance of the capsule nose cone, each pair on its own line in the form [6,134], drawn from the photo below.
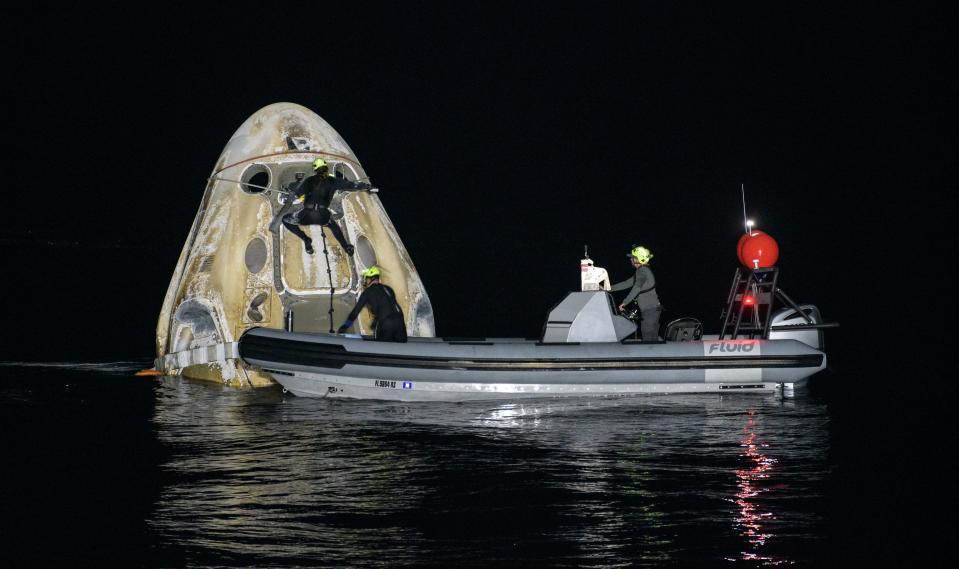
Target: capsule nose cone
[284,128]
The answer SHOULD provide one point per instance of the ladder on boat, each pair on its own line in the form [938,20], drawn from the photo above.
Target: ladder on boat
[749,306]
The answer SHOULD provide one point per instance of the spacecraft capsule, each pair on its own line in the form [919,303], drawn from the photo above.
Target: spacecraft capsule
[241,268]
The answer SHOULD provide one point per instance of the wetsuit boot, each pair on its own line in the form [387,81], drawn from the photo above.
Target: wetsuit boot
[293,228]
[338,233]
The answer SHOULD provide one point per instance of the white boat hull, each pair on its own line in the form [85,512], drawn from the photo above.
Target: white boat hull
[306,384]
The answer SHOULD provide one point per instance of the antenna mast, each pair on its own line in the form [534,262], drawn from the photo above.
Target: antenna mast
[745,221]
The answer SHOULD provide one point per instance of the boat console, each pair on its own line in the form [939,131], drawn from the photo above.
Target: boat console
[587,316]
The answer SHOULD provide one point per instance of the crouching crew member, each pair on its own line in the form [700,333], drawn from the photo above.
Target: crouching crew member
[642,287]
[388,322]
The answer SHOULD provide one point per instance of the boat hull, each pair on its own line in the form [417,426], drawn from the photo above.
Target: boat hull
[322,365]
[306,384]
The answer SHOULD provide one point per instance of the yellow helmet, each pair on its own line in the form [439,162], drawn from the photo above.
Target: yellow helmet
[320,164]
[641,254]
[371,272]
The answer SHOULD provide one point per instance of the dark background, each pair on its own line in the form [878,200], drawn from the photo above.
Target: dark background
[506,138]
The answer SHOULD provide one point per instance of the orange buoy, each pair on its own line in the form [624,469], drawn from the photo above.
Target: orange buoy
[739,245]
[757,250]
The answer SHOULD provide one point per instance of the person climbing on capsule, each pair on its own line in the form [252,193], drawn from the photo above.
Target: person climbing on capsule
[316,193]
[642,289]
[388,322]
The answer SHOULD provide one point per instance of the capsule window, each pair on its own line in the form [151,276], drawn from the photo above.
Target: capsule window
[255,179]
[255,256]
[344,170]
[365,252]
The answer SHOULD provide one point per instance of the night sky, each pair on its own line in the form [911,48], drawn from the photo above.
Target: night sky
[503,139]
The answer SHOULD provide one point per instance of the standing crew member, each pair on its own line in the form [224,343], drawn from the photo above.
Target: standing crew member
[643,290]
[388,322]
[317,193]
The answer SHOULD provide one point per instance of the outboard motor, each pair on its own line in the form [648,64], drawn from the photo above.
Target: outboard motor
[809,334]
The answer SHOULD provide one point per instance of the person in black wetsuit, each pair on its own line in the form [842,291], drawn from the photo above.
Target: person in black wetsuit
[642,289]
[317,193]
[388,322]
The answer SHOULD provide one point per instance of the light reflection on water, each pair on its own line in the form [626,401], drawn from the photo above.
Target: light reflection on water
[751,521]
[259,477]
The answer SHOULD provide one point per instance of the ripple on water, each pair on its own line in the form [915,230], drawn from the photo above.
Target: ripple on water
[260,475]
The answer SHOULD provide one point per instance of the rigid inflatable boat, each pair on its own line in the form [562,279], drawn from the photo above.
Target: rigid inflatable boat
[586,349]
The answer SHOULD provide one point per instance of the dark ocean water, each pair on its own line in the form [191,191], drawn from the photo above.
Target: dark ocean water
[103,468]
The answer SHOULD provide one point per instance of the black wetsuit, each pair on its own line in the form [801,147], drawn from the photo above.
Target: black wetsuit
[388,322]
[642,287]
[318,190]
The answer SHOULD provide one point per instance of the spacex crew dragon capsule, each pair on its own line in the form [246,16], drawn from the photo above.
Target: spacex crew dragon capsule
[241,268]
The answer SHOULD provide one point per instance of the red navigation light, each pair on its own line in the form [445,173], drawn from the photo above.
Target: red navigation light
[749,300]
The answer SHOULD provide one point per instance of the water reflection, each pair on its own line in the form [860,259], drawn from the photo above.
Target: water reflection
[261,478]
[750,520]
